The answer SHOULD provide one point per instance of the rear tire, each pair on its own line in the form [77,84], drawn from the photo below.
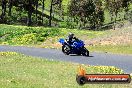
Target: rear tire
[85,52]
[66,49]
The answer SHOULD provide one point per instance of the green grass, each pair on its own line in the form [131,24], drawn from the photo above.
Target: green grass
[118,49]
[20,71]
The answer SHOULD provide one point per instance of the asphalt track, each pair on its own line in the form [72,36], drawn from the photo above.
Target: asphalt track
[121,61]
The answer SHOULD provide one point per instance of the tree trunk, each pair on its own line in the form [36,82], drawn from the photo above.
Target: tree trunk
[43,10]
[61,10]
[29,19]
[10,7]
[126,11]
[4,7]
[3,20]
[51,10]
[115,20]
[36,10]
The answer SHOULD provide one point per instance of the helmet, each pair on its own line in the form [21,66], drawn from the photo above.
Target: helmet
[71,35]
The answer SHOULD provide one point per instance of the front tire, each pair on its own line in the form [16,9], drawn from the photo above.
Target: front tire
[66,49]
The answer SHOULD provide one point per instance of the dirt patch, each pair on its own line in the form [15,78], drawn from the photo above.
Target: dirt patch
[115,37]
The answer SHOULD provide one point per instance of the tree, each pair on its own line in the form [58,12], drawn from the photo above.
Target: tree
[99,13]
[52,5]
[114,7]
[125,5]
[29,8]
[36,8]
[4,2]
[87,11]
[43,9]
[57,7]
[75,11]
[10,7]
[129,16]
[51,10]
[73,8]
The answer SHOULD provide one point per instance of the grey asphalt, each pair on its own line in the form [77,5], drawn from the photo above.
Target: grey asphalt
[123,62]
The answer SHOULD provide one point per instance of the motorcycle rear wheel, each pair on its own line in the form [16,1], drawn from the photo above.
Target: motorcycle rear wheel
[85,52]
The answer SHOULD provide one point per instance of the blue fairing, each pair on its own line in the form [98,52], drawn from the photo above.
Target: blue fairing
[62,41]
[78,44]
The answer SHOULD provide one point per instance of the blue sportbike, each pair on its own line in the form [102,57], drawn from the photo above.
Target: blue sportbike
[76,47]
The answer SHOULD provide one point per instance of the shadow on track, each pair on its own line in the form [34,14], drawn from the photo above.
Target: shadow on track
[79,55]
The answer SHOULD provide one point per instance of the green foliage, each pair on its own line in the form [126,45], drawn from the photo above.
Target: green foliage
[25,35]
[6,54]
[67,24]
[25,39]
[83,13]
[128,16]
[106,70]
[87,11]
[16,35]
[63,24]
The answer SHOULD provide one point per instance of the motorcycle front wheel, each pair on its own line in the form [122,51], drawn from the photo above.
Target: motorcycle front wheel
[66,49]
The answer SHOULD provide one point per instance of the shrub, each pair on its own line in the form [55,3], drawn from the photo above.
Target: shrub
[25,39]
[106,70]
[8,53]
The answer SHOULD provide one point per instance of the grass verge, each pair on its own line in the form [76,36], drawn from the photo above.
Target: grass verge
[20,71]
[118,49]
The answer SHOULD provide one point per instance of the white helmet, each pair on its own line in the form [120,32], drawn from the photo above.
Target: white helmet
[71,35]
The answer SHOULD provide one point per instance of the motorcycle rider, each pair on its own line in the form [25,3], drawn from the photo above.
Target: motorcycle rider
[72,45]
[70,38]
